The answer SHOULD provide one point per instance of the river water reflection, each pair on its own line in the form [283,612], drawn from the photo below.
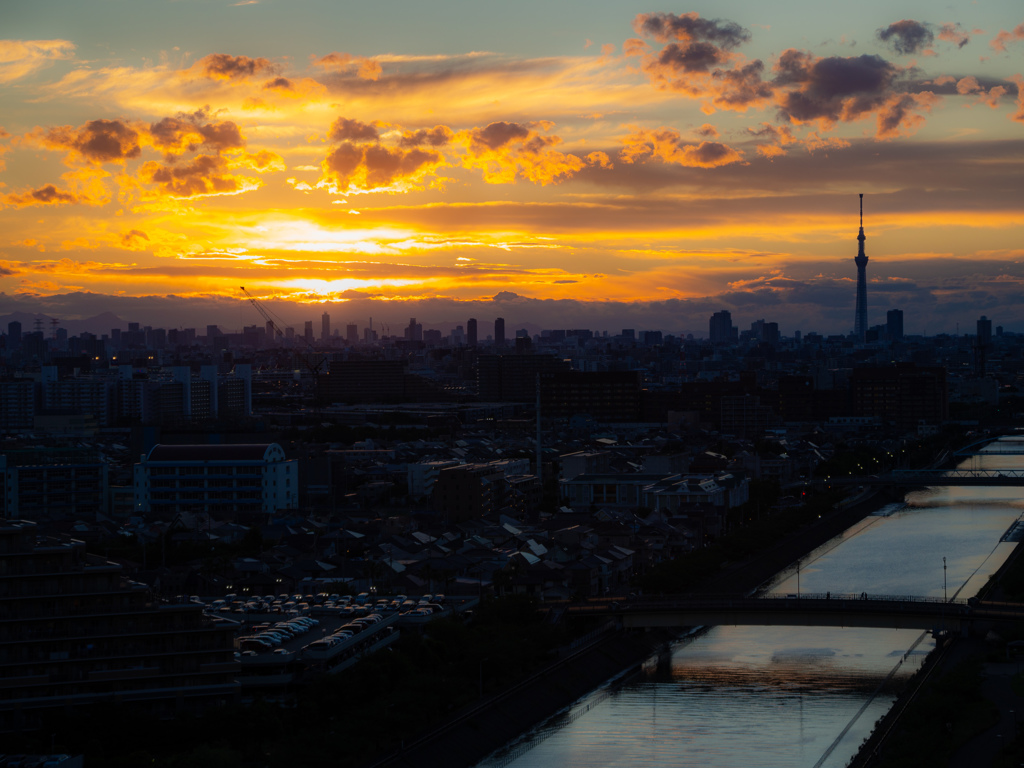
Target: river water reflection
[792,696]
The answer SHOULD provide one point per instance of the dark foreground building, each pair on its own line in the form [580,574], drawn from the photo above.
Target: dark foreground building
[74,632]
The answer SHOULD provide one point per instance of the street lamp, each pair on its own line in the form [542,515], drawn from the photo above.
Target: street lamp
[945,598]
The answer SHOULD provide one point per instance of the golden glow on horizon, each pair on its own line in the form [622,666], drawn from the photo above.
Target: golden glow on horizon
[638,171]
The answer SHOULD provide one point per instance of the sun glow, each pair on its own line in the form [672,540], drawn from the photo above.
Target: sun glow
[310,237]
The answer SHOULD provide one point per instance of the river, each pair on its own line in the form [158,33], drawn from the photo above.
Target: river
[791,696]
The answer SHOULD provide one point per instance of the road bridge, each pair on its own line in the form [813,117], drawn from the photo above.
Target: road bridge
[817,610]
[932,477]
[992,445]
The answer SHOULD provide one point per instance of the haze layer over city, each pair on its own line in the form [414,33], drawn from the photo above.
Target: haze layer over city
[569,166]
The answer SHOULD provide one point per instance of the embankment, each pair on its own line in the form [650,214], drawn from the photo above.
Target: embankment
[472,735]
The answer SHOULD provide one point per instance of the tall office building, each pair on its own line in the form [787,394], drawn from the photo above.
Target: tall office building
[894,324]
[983,343]
[325,327]
[720,328]
[352,333]
[471,332]
[307,331]
[984,331]
[499,332]
[14,335]
[860,326]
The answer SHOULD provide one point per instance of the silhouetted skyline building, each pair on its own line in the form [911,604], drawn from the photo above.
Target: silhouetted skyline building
[325,327]
[14,334]
[499,332]
[894,324]
[471,332]
[860,327]
[984,331]
[984,341]
[720,329]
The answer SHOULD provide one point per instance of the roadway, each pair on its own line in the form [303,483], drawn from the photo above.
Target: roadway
[823,610]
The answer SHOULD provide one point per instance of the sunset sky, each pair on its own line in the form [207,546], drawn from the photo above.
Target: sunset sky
[562,164]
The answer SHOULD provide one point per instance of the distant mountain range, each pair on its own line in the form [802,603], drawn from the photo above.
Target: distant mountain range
[99,325]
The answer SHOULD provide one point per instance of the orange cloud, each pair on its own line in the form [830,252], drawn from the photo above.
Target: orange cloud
[969,85]
[1018,116]
[20,58]
[368,69]
[264,160]
[505,151]
[135,240]
[667,145]
[998,43]
[954,33]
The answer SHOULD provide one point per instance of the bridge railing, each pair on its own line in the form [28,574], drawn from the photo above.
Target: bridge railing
[729,601]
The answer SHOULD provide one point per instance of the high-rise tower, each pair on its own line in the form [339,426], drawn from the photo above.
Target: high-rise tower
[860,326]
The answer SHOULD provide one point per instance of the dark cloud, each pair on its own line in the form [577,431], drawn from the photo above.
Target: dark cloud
[498,134]
[47,195]
[222,66]
[690,27]
[907,36]
[438,136]
[711,154]
[693,57]
[279,84]
[187,132]
[98,141]
[222,136]
[834,88]
[170,131]
[205,175]
[344,129]
[742,86]
[132,236]
[384,165]
[375,165]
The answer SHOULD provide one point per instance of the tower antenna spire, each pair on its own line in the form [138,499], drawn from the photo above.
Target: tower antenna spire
[861,314]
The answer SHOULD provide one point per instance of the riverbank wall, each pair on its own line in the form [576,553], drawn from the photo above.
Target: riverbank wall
[952,652]
[473,735]
[498,720]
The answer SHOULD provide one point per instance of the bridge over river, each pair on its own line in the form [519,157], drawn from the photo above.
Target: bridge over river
[989,446]
[820,610]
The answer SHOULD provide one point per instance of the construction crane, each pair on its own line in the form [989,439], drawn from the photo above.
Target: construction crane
[314,367]
[263,312]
